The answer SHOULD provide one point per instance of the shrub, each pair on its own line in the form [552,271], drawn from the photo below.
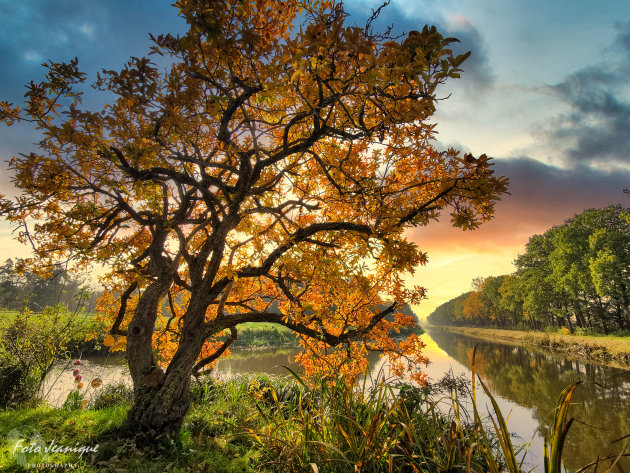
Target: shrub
[564,331]
[28,351]
[29,347]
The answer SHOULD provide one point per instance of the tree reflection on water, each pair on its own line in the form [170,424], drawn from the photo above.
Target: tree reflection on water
[534,380]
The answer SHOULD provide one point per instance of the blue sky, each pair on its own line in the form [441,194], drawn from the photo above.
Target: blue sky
[545,92]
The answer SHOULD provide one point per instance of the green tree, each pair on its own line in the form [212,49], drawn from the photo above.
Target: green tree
[609,262]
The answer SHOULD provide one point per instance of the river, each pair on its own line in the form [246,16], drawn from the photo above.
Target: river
[526,384]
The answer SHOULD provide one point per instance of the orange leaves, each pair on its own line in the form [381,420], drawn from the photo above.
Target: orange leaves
[271,171]
[8,114]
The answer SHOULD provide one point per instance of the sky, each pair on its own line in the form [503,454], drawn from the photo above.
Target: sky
[545,93]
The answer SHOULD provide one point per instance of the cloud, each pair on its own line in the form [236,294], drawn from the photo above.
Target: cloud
[478,74]
[595,129]
[541,196]
[100,34]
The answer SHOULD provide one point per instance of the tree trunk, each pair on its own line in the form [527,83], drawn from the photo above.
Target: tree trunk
[161,399]
[569,323]
[160,405]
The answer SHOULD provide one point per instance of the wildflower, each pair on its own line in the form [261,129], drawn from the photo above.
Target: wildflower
[96,382]
[78,378]
[76,372]
[79,386]
[78,362]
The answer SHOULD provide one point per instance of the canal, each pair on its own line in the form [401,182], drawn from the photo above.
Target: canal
[526,384]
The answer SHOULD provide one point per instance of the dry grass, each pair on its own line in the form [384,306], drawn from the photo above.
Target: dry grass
[609,350]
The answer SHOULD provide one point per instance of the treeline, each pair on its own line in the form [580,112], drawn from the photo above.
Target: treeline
[576,275]
[20,290]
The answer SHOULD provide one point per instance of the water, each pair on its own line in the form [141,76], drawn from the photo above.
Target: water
[526,384]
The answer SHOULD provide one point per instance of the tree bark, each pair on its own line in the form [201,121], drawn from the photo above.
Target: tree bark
[162,399]
[159,410]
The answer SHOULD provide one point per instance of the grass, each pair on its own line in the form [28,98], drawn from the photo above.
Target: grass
[265,334]
[263,424]
[609,349]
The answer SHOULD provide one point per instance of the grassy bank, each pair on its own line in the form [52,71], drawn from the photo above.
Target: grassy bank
[605,349]
[260,424]
[269,425]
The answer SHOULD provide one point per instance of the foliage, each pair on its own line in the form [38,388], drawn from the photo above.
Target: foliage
[113,395]
[30,344]
[253,335]
[267,175]
[573,278]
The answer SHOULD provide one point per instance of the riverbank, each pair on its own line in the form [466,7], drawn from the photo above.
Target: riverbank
[254,423]
[607,350]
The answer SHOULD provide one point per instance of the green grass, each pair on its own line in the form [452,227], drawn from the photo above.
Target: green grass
[264,424]
[8,316]
[209,440]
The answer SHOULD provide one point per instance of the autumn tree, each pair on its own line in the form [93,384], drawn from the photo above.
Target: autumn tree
[267,175]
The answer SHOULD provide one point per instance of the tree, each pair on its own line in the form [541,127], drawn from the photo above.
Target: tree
[21,289]
[268,175]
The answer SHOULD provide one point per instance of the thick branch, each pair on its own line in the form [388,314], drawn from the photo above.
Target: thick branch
[209,359]
[233,320]
[115,330]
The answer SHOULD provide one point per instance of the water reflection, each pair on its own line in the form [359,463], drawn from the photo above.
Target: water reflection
[527,384]
[257,361]
[534,380]
[111,369]
[270,361]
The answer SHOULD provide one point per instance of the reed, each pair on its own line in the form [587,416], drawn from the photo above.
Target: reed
[382,426]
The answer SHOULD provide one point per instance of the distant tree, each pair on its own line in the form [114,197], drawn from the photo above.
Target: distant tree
[21,289]
[574,274]
[269,166]
[449,313]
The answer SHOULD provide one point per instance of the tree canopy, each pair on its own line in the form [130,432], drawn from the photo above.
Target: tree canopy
[267,174]
[574,275]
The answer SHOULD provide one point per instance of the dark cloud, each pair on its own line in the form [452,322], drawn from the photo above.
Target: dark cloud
[623,39]
[541,196]
[477,76]
[596,129]
[101,34]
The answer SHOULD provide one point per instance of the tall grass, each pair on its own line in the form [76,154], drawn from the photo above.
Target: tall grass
[381,426]
[378,427]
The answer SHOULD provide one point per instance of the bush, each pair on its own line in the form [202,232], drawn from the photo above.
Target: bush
[28,351]
[29,347]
